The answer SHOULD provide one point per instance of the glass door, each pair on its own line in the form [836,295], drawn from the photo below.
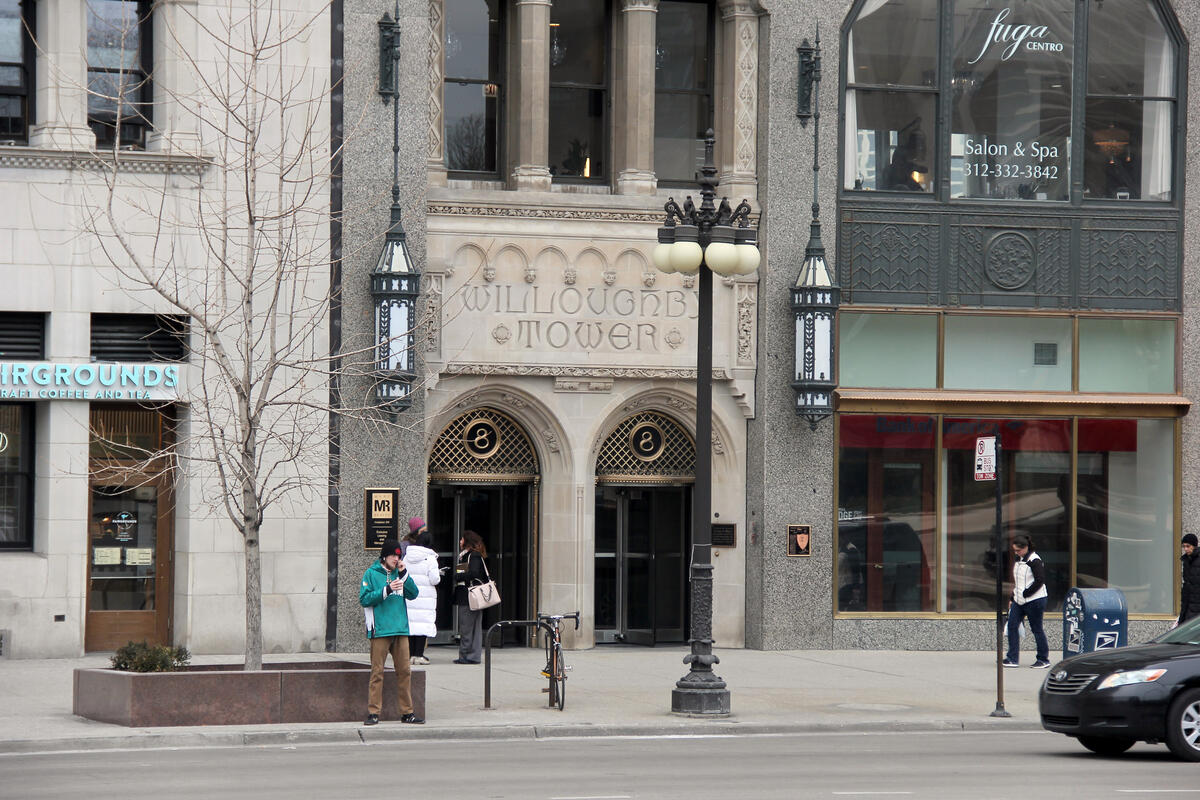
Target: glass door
[129,563]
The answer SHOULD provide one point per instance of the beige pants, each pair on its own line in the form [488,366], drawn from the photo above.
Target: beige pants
[398,647]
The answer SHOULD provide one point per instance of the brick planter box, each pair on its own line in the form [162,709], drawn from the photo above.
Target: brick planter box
[322,691]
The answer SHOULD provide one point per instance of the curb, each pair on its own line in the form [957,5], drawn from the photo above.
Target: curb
[397,733]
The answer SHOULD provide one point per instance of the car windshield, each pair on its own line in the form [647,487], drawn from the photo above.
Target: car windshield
[1187,633]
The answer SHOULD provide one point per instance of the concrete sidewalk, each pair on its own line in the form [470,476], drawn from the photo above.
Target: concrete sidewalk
[611,690]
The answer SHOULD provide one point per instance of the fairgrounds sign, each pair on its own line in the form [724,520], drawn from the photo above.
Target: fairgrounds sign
[110,380]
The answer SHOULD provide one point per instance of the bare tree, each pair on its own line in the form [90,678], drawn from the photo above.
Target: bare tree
[242,250]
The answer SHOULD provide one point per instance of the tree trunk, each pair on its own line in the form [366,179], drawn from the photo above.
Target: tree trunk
[253,602]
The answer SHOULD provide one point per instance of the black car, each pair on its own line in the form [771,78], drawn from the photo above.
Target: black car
[1110,699]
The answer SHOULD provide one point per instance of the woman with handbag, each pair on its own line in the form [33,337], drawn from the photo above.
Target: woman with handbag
[470,571]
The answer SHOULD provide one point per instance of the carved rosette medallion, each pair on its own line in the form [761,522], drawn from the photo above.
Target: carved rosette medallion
[1010,260]
[501,334]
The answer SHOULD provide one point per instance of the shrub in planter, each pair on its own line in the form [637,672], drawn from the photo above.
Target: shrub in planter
[142,657]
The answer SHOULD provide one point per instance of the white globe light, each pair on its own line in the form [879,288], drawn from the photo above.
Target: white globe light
[748,259]
[662,257]
[686,257]
[722,258]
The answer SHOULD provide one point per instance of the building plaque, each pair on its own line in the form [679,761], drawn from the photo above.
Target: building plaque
[380,516]
[724,534]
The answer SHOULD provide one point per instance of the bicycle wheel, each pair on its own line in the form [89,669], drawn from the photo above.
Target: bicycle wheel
[560,677]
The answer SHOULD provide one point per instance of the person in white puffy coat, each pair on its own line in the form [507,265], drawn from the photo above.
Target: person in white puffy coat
[422,565]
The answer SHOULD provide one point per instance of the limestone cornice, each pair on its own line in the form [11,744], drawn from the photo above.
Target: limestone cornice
[139,162]
[536,209]
[562,371]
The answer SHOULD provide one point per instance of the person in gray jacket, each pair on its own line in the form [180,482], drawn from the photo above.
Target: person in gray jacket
[1028,602]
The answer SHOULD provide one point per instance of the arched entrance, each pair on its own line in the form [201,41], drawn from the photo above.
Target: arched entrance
[644,475]
[483,476]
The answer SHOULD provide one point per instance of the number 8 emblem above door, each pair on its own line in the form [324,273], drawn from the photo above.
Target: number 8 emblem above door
[482,438]
[646,440]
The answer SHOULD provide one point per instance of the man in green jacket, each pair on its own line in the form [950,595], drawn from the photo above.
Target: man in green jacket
[385,586]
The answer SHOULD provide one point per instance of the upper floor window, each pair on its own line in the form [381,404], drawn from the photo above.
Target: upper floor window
[1007,89]
[579,97]
[683,88]
[119,65]
[474,84]
[16,68]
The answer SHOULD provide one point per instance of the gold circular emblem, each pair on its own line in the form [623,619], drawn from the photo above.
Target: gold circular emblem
[481,438]
[647,441]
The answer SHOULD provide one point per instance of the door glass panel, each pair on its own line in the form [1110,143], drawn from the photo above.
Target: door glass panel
[445,542]
[124,533]
[638,604]
[668,564]
[606,557]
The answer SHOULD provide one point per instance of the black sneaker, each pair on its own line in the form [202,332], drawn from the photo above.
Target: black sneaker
[372,719]
[1039,664]
[412,719]
[1008,663]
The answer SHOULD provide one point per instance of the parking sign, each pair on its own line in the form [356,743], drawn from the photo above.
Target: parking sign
[985,458]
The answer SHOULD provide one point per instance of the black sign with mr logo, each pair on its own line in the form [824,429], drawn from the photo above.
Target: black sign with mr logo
[647,440]
[482,438]
[381,516]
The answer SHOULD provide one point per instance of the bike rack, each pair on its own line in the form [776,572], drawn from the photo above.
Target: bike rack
[487,650]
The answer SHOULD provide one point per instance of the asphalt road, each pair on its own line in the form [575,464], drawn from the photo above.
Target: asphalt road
[959,765]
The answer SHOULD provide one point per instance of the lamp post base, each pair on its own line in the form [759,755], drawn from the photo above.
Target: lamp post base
[700,701]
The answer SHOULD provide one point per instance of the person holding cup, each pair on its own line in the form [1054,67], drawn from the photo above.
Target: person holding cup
[386,585]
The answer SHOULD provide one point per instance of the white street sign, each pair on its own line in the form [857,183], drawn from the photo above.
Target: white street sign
[985,458]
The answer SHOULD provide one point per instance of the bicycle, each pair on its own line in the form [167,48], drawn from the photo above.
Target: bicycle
[556,668]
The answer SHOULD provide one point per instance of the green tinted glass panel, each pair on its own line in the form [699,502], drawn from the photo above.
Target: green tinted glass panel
[1126,355]
[1008,352]
[898,350]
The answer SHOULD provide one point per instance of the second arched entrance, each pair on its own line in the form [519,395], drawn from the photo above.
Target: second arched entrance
[644,475]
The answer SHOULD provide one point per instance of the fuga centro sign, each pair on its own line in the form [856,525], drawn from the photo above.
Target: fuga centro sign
[1011,37]
[42,380]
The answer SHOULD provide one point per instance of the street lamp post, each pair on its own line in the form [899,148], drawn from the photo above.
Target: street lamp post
[395,281]
[707,239]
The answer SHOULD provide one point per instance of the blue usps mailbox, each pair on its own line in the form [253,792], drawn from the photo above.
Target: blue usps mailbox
[1094,619]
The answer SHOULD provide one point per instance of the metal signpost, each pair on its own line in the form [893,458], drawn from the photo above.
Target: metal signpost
[987,468]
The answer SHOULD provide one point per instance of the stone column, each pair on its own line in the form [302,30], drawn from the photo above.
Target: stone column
[61,76]
[634,135]
[176,41]
[737,100]
[436,69]
[532,97]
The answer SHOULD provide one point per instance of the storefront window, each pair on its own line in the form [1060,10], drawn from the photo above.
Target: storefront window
[1008,352]
[16,476]
[1126,355]
[886,526]
[887,349]
[1012,100]
[1036,466]
[1125,505]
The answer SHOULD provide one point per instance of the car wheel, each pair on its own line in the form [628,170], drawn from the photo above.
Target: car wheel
[1105,746]
[1183,726]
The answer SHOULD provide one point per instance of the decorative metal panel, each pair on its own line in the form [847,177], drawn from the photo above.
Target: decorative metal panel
[1006,262]
[483,444]
[631,453]
[890,258]
[1131,266]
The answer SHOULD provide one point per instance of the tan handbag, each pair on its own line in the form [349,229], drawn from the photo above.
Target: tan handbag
[483,595]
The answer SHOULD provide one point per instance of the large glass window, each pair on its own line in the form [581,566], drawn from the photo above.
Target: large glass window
[579,89]
[16,476]
[119,67]
[16,68]
[1011,96]
[916,531]
[891,96]
[1008,352]
[474,84]
[1010,99]
[897,350]
[1126,355]
[682,88]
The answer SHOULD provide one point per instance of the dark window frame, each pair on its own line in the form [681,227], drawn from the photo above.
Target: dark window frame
[500,81]
[710,79]
[130,131]
[26,459]
[119,337]
[606,120]
[1079,97]
[27,66]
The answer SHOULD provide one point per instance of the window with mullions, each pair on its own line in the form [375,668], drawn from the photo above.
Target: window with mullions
[474,84]
[119,65]
[16,69]
[579,35]
[16,476]
[683,95]
[1007,87]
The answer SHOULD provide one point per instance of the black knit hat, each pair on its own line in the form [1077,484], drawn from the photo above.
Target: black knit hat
[390,547]
[1189,538]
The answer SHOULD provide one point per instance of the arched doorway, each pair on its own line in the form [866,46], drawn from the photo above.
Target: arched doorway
[483,476]
[644,474]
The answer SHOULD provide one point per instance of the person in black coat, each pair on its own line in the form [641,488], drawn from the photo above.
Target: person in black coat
[1189,590]
[468,572]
